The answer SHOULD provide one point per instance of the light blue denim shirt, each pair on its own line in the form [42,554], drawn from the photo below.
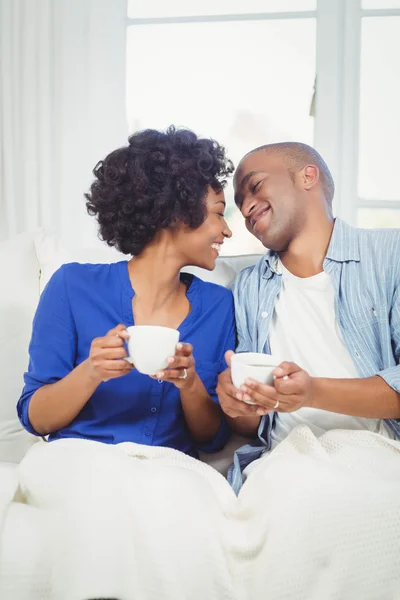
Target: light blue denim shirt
[364,266]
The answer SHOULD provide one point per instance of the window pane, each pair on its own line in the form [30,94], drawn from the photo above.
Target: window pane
[251,86]
[174,8]
[378,217]
[381,3]
[379,109]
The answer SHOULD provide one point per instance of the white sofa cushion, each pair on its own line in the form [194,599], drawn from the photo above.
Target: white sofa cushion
[19,275]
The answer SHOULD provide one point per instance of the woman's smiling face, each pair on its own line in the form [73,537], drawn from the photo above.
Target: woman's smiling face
[201,246]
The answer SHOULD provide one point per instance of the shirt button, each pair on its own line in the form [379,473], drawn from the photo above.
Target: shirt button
[358,356]
[147,432]
[153,409]
[264,314]
[160,381]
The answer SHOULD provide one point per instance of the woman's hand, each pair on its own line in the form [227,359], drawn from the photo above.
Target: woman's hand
[181,367]
[107,353]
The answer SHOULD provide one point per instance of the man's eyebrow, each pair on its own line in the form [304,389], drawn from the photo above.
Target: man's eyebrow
[238,196]
[247,177]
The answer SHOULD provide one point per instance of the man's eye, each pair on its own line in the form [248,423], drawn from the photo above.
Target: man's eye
[255,186]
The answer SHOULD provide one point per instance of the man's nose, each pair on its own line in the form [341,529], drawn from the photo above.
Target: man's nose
[247,207]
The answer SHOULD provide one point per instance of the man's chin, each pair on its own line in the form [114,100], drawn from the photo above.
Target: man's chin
[271,243]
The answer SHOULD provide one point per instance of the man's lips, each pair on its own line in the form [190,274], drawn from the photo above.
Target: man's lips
[255,218]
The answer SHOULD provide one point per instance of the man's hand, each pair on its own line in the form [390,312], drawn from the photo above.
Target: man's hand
[230,398]
[293,389]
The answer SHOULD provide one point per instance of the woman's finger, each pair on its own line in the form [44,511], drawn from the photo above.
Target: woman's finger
[179,362]
[170,374]
[110,353]
[114,365]
[118,331]
[108,341]
[111,374]
[183,349]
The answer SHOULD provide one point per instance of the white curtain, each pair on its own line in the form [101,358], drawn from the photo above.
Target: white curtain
[62,108]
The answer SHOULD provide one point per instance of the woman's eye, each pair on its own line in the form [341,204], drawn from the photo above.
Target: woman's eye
[221,215]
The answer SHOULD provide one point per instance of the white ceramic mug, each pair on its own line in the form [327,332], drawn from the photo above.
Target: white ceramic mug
[255,365]
[149,347]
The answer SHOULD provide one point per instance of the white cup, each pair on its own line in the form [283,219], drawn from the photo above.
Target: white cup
[149,347]
[255,365]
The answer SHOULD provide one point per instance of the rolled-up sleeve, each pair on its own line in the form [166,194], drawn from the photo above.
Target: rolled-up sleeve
[52,348]
[392,374]
[243,343]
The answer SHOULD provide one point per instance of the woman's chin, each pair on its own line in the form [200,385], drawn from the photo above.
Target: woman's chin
[208,265]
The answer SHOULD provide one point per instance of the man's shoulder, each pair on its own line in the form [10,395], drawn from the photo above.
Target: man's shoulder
[248,282]
[384,243]
[254,272]
[378,233]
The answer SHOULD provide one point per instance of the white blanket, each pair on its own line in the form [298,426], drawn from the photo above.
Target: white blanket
[132,522]
[317,518]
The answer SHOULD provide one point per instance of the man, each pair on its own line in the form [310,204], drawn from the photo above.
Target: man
[325,298]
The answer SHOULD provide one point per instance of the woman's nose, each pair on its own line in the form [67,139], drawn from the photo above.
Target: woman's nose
[227,231]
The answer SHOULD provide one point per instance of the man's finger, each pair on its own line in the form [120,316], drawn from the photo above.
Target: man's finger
[285,369]
[286,387]
[237,408]
[263,395]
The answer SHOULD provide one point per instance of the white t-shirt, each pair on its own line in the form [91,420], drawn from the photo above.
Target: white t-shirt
[304,330]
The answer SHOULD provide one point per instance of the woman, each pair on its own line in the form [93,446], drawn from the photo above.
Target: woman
[122,504]
[161,200]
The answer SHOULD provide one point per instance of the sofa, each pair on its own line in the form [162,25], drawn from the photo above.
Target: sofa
[26,264]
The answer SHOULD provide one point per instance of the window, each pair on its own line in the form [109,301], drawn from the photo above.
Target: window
[247,78]
[378,182]
[243,81]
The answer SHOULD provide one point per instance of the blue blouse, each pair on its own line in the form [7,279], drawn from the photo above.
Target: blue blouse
[82,302]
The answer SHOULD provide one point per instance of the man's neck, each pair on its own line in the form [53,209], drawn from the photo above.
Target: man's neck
[306,254]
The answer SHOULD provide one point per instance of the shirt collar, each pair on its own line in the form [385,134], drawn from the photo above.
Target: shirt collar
[344,243]
[342,247]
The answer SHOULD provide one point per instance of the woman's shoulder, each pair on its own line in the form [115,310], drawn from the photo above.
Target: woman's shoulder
[84,274]
[213,291]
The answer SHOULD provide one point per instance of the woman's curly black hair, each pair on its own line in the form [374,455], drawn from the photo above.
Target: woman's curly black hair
[159,180]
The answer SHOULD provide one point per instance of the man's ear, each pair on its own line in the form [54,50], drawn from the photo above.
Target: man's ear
[309,176]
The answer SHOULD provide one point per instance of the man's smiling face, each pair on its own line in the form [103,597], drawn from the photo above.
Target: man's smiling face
[269,198]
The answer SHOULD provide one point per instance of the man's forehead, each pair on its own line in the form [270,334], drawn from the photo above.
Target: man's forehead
[256,162]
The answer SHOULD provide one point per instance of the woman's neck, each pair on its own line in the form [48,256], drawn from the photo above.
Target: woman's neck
[154,275]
